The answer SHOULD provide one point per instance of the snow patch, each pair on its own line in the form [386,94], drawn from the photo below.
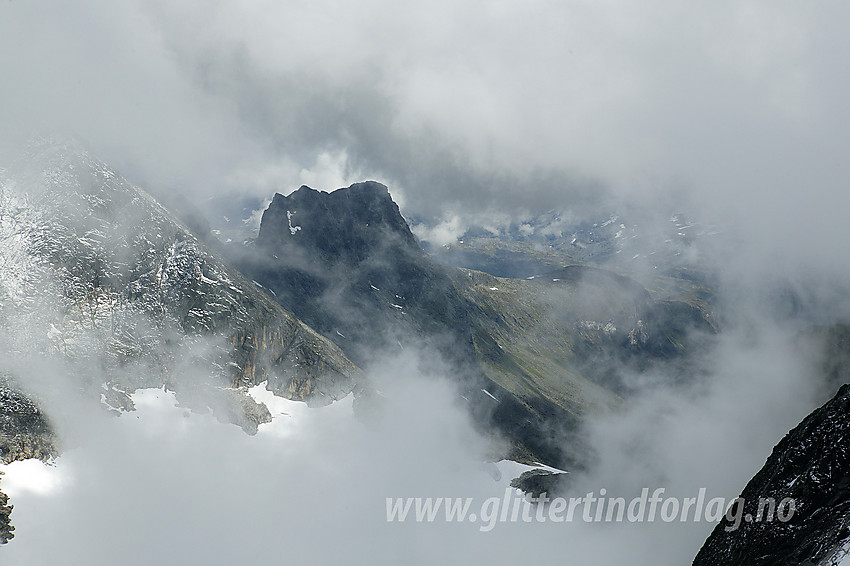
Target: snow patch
[490,395]
[32,477]
[290,416]
[508,469]
[292,229]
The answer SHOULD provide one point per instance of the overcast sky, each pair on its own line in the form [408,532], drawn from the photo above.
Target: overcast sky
[455,105]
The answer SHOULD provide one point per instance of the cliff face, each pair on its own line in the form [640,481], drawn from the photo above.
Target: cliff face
[347,263]
[811,465]
[6,528]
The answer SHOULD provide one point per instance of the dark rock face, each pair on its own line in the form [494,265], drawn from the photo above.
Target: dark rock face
[811,465]
[539,481]
[346,226]
[347,263]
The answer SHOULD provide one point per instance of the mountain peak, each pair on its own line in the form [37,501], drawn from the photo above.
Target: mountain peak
[348,224]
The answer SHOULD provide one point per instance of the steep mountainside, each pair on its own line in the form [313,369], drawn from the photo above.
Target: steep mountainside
[100,283]
[811,465]
[531,356]
[97,273]
[581,329]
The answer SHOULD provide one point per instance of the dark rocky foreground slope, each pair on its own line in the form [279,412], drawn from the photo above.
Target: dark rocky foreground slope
[811,465]
[531,356]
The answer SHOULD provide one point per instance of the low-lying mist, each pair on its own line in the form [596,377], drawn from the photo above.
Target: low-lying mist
[166,484]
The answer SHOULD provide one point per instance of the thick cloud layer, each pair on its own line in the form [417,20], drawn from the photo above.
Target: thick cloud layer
[161,484]
[473,105]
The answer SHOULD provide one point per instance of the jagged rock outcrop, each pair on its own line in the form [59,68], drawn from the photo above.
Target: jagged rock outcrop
[539,481]
[6,528]
[811,466]
[345,226]
[347,263]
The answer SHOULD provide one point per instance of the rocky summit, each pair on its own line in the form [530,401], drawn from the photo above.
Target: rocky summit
[348,263]
[346,226]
